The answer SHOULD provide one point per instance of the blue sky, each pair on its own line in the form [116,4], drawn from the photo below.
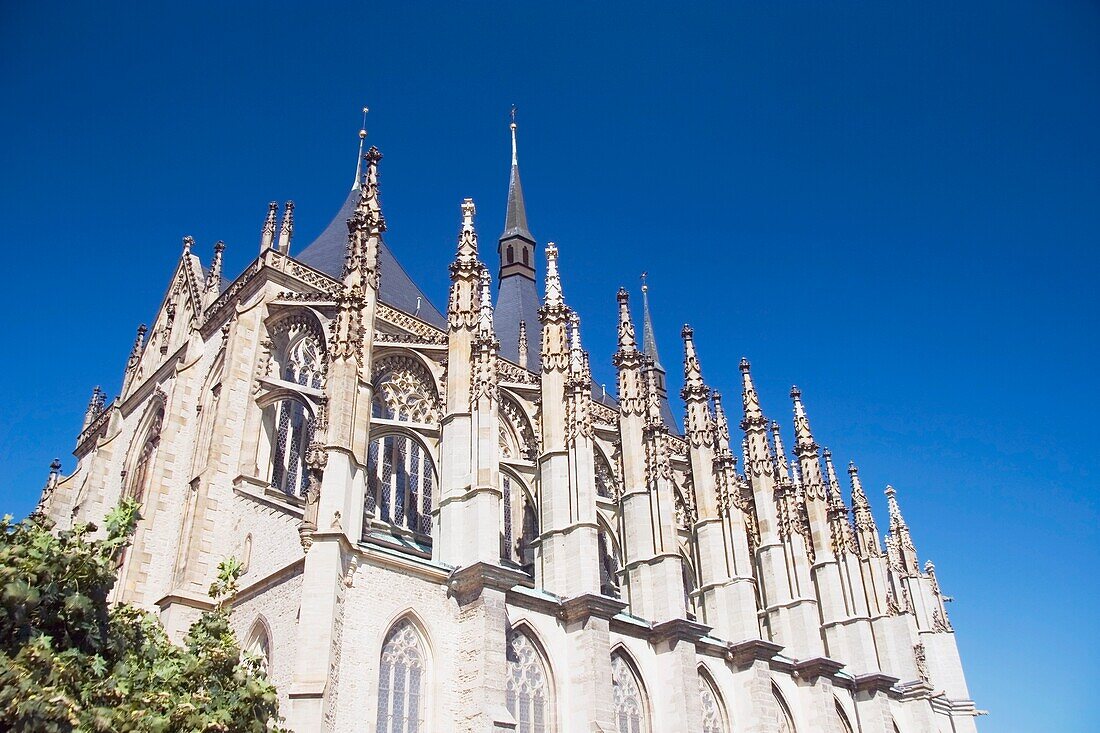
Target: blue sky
[895,205]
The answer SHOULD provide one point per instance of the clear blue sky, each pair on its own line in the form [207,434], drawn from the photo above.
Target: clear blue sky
[894,205]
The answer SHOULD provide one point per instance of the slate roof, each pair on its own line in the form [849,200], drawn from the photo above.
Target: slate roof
[326,253]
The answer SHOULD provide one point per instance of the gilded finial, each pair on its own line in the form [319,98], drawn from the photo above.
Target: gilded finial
[359,159]
[515,157]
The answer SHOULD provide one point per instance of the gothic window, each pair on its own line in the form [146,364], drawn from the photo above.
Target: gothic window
[842,719]
[303,363]
[713,720]
[401,682]
[630,705]
[609,565]
[688,574]
[605,479]
[511,254]
[400,481]
[290,426]
[786,722]
[518,529]
[528,693]
[258,645]
[526,256]
[141,474]
[404,390]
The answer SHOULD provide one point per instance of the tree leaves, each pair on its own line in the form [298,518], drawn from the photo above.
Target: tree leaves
[70,662]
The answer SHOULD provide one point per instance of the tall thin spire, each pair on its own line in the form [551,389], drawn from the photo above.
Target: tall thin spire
[907,552]
[517,295]
[649,339]
[866,530]
[653,361]
[267,234]
[286,231]
[359,159]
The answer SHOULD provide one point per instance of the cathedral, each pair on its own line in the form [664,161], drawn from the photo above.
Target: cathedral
[445,528]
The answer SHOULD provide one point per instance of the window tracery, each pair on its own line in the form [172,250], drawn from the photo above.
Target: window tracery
[140,475]
[607,485]
[404,390]
[291,427]
[609,565]
[786,722]
[401,682]
[400,481]
[528,692]
[518,527]
[630,706]
[713,721]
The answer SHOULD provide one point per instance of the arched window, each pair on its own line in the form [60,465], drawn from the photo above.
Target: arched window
[842,718]
[518,529]
[609,565]
[528,694]
[511,254]
[141,474]
[404,390]
[713,719]
[258,645]
[786,722]
[401,681]
[688,574]
[605,479]
[630,705]
[290,426]
[400,481]
[303,362]
[526,256]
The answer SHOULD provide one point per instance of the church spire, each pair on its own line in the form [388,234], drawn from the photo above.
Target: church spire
[517,295]
[516,243]
[267,235]
[649,348]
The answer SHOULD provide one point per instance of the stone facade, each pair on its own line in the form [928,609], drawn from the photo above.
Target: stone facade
[439,538]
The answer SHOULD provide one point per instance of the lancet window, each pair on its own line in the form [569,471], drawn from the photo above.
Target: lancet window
[609,565]
[303,362]
[842,718]
[258,645]
[140,475]
[402,683]
[786,722]
[290,425]
[518,529]
[713,720]
[400,482]
[630,704]
[404,390]
[606,485]
[528,693]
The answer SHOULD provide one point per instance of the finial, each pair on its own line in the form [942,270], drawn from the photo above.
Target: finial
[515,157]
[468,211]
[645,288]
[554,295]
[523,344]
[188,242]
[485,315]
[55,468]
[745,366]
[287,229]
[267,235]
[628,344]
[359,159]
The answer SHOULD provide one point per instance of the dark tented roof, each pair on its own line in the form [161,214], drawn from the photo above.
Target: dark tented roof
[517,301]
[326,253]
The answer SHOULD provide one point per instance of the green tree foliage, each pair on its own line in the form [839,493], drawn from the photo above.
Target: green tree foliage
[71,662]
